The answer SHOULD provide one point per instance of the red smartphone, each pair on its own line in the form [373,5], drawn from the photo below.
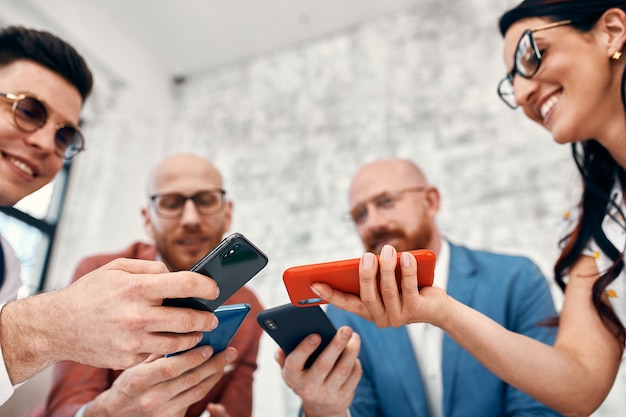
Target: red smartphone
[344,276]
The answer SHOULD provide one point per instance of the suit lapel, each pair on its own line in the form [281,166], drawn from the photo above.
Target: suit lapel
[462,281]
[407,371]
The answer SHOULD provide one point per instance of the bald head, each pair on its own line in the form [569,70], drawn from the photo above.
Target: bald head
[380,175]
[183,173]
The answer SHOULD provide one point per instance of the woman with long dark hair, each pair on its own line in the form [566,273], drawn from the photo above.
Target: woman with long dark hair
[566,72]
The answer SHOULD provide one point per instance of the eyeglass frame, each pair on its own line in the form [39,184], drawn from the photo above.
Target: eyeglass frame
[70,151]
[510,76]
[193,197]
[396,196]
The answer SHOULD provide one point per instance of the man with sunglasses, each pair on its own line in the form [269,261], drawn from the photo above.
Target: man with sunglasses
[186,216]
[416,370]
[113,317]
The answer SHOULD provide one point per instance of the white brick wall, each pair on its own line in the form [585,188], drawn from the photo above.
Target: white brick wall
[289,128]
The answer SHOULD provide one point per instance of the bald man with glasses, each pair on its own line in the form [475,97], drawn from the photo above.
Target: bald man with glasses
[186,216]
[416,370]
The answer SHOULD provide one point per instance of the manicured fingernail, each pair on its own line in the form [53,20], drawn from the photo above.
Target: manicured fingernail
[215,322]
[315,291]
[368,260]
[406,259]
[386,252]
[231,355]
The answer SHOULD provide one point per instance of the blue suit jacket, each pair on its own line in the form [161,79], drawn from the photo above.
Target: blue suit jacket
[509,289]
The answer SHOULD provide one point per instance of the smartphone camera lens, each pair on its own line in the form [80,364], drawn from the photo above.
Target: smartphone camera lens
[226,255]
[270,324]
[237,246]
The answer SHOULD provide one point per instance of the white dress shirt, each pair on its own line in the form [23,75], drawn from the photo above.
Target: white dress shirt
[427,341]
[12,280]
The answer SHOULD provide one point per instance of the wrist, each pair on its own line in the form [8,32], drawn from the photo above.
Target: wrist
[313,413]
[23,331]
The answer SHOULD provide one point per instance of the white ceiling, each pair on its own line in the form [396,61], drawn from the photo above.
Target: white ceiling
[183,36]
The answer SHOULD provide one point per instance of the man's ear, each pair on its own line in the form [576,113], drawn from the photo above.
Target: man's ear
[432,199]
[228,216]
[147,223]
[612,26]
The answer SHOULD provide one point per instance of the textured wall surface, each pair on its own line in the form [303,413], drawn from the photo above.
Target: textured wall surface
[288,129]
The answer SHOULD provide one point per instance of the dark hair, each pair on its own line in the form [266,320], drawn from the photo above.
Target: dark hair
[48,50]
[583,13]
[598,168]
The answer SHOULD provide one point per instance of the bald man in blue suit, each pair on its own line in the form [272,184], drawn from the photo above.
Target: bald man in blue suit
[416,370]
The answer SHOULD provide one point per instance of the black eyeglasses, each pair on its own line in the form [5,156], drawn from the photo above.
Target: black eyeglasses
[30,114]
[384,201]
[172,205]
[526,63]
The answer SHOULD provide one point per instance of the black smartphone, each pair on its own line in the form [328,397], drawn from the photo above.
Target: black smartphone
[232,263]
[288,325]
[230,318]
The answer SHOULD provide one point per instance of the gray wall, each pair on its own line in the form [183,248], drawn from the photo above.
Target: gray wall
[289,128]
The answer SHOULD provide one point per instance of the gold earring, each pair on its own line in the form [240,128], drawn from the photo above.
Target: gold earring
[616,55]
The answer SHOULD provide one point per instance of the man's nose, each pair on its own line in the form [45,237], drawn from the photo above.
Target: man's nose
[43,138]
[190,213]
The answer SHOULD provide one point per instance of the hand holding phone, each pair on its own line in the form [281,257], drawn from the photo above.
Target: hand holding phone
[232,263]
[289,325]
[344,276]
[230,318]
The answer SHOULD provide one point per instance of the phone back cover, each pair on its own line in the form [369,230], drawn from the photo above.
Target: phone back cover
[230,319]
[289,325]
[344,276]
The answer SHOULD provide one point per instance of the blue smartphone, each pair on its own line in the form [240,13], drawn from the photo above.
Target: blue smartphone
[230,318]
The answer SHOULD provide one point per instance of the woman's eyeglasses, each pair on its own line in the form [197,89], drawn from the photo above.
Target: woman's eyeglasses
[526,63]
[30,114]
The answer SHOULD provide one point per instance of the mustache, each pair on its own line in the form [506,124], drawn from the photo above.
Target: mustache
[376,237]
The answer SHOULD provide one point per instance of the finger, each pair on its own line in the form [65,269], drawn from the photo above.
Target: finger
[166,319]
[153,357]
[389,285]
[294,362]
[353,380]
[169,368]
[388,281]
[136,266]
[164,343]
[279,357]
[370,291]
[217,410]
[344,366]
[197,380]
[408,283]
[342,300]
[326,363]
[181,284]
